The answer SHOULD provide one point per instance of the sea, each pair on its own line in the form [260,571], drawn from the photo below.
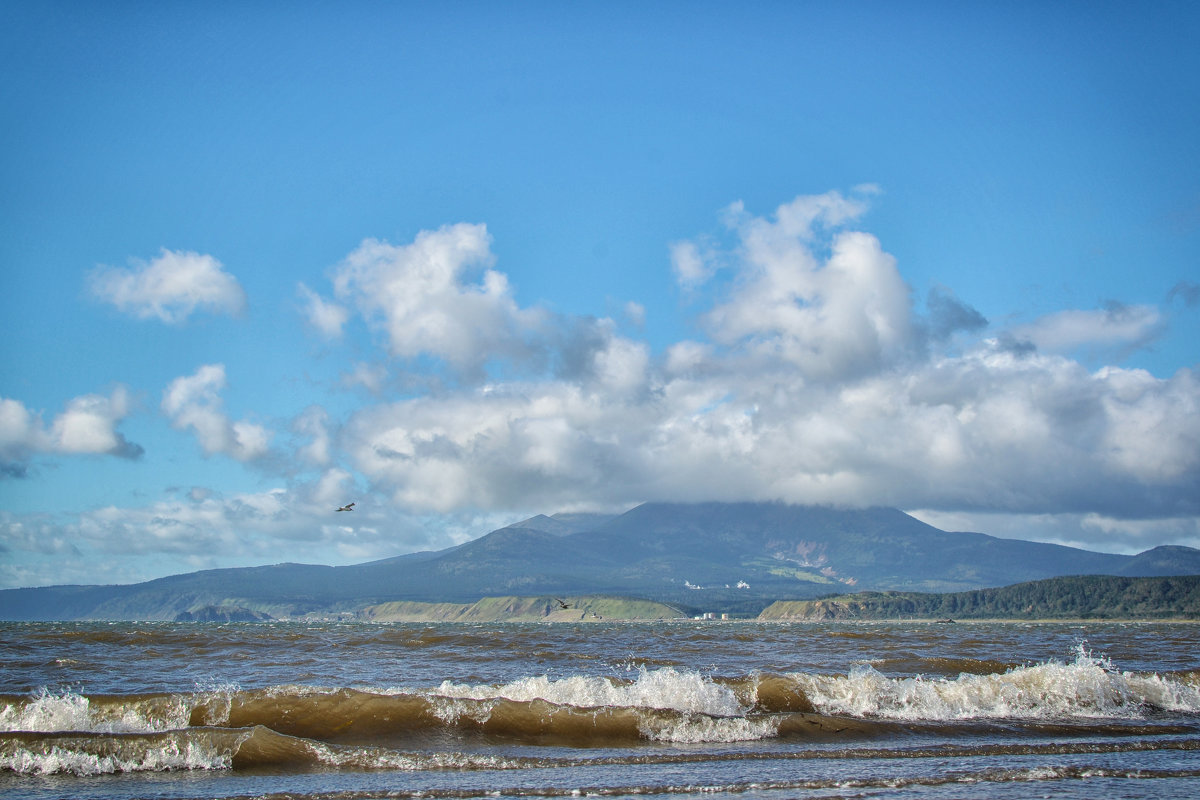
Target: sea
[678,710]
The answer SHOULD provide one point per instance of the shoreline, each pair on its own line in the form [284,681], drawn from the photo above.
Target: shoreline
[563,620]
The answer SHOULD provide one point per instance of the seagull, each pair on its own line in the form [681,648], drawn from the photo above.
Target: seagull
[347,507]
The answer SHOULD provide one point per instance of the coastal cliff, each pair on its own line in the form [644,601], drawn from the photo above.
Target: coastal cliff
[523,609]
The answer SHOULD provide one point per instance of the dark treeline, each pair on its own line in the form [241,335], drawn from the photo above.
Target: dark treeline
[1073,597]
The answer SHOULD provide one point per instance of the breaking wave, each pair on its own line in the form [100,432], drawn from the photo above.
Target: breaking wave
[228,728]
[1087,687]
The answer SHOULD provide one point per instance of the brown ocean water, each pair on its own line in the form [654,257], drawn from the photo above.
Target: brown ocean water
[672,710]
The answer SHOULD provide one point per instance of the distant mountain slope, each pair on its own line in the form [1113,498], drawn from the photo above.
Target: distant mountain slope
[1163,560]
[873,547]
[735,557]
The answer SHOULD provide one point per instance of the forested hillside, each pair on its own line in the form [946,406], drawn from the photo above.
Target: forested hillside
[1072,597]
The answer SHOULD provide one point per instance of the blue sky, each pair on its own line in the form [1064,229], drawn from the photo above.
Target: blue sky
[467,262]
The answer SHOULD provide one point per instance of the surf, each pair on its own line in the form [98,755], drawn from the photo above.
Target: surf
[1088,687]
[227,727]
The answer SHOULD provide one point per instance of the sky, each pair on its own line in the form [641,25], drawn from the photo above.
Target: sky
[464,263]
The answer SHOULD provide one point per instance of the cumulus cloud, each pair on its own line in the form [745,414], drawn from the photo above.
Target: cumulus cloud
[87,426]
[194,401]
[169,288]
[498,448]
[832,317]
[985,431]
[436,296]
[818,383]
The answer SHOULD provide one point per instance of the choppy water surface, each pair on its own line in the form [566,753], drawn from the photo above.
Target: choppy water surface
[677,710]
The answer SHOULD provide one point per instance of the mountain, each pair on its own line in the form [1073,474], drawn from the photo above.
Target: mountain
[732,557]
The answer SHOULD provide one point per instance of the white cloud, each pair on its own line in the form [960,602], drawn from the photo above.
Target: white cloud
[983,431]
[1153,426]
[194,401]
[20,431]
[691,265]
[820,385]
[492,449]
[325,316]
[313,423]
[621,365]
[848,314]
[800,220]
[437,296]
[169,288]
[87,426]
[332,487]
[1115,328]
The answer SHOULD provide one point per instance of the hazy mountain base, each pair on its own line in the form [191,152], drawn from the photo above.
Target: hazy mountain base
[523,609]
[1073,597]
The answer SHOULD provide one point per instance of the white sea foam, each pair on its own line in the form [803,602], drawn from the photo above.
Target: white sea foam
[47,712]
[1086,687]
[68,711]
[698,710]
[666,688]
[699,728]
[381,758]
[82,760]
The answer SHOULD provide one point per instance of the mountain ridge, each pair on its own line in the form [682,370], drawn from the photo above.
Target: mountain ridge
[721,557]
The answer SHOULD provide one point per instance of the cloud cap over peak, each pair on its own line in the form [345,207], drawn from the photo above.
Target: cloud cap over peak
[818,382]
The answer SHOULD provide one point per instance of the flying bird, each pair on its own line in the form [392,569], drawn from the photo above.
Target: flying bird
[347,507]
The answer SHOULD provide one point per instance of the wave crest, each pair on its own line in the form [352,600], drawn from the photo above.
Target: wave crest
[1088,687]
